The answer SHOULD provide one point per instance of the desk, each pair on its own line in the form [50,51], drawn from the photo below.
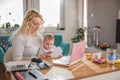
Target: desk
[88,69]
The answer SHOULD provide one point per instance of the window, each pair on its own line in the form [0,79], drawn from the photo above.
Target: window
[50,10]
[11,11]
[85,13]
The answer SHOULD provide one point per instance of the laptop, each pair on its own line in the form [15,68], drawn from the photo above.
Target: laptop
[75,56]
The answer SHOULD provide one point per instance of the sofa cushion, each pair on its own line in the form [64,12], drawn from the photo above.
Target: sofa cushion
[1,55]
[57,40]
[4,44]
[65,47]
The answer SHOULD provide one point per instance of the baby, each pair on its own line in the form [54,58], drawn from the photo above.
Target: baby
[48,49]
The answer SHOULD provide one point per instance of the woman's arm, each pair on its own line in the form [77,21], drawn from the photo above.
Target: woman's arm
[18,44]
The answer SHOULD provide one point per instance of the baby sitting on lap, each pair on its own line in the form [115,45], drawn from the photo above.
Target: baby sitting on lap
[48,49]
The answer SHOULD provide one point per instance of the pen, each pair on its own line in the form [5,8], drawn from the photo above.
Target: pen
[38,52]
[32,75]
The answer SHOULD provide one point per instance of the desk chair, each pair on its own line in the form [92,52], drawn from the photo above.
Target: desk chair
[58,41]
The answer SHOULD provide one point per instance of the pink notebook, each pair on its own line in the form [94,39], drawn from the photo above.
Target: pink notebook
[76,55]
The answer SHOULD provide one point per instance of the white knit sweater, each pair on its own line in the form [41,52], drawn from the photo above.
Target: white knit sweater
[24,47]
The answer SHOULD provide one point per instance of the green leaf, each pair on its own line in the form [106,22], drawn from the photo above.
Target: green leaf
[79,35]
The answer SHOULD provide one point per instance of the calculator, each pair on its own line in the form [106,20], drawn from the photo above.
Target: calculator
[20,67]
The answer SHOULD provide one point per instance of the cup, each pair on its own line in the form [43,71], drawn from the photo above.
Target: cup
[111,56]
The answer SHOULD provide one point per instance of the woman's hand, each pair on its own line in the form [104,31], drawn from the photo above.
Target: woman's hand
[45,55]
[42,56]
[48,54]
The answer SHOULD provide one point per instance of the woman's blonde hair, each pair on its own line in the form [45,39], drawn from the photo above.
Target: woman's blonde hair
[25,28]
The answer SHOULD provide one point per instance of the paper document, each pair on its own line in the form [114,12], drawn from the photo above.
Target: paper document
[57,73]
[56,52]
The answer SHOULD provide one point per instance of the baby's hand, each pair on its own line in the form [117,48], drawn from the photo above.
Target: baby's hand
[60,56]
[48,54]
[42,56]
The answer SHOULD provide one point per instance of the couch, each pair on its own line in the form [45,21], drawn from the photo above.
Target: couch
[5,43]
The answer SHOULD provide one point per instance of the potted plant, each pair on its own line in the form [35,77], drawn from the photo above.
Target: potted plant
[79,35]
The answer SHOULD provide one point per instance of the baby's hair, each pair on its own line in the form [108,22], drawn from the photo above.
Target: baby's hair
[48,36]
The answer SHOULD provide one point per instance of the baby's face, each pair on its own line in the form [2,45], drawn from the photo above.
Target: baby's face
[48,44]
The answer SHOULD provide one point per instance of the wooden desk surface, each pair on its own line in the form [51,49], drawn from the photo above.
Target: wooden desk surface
[87,69]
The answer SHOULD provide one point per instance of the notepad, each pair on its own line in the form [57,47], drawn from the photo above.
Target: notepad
[56,52]
[56,73]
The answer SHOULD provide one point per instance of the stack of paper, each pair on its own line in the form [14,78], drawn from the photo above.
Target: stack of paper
[57,73]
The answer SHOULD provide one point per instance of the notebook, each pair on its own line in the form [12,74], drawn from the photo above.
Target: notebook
[75,56]
[28,75]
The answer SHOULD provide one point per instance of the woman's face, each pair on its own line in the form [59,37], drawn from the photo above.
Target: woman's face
[35,25]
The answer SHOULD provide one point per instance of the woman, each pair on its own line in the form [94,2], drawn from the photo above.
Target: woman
[26,41]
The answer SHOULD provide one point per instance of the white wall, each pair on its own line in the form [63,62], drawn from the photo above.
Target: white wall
[105,13]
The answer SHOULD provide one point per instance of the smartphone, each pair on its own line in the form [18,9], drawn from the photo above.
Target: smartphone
[37,60]
[43,65]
